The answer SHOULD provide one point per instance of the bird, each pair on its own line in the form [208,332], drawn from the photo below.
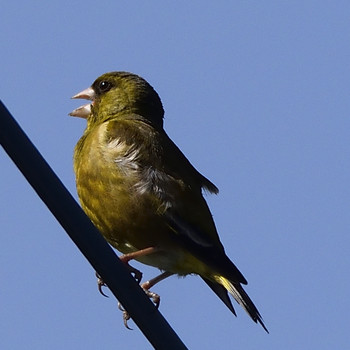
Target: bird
[144,195]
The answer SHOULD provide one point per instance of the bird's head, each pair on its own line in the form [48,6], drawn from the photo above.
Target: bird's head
[119,93]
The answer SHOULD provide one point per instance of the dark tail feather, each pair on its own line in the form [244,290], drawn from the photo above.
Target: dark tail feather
[221,292]
[243,299]
[223,285]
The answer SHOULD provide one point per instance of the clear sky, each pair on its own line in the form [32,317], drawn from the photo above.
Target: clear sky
[256,94]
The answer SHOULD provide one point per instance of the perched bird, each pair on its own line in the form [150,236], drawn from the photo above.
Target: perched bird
[143,194]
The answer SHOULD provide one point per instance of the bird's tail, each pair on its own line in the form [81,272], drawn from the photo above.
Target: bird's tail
[239,294]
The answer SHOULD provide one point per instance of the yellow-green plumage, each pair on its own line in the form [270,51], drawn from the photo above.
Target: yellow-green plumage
[141,191]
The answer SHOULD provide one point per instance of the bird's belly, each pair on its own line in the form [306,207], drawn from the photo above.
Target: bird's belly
[122,220]
[130,224]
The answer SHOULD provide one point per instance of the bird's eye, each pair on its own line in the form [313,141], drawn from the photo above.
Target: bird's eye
[104,86]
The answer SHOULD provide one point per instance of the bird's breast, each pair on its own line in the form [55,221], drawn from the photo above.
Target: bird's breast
[121,195]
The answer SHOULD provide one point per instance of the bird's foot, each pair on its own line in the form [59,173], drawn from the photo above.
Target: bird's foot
[137,274]
[100,284]
[153,296]
[126,316]
[125,258]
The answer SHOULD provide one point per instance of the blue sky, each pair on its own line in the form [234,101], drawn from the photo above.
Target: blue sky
[256,95]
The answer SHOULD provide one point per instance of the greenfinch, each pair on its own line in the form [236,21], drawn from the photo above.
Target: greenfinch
[143,194]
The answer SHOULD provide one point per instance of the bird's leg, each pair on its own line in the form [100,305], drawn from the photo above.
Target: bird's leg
[125,259]
[138,276]
[150,283]
[130,256]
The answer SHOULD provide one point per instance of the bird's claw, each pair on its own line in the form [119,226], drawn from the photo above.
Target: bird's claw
[126,316]
[153,296]
[100,284]
[137,274]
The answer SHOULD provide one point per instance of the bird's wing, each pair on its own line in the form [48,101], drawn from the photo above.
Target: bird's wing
[177,164]
[199,243]
[179,185]
[189,216]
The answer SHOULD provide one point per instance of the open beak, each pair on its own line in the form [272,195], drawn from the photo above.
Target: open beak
[85,110]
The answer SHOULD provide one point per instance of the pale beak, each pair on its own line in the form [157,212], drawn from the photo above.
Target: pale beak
[85,110]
